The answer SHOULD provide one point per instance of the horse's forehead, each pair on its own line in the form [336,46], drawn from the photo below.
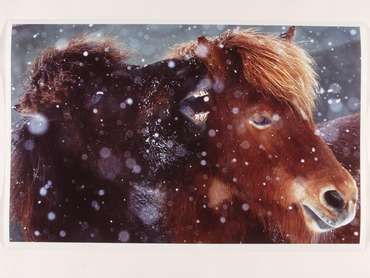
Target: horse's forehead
[244,94]
[245,98]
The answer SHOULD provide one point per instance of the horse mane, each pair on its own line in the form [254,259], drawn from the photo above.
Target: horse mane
[273,65]
[55,70]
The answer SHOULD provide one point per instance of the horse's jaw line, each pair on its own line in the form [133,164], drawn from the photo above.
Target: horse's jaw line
[319,223]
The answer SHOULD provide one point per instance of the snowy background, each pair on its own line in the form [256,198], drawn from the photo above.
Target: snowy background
[336,51]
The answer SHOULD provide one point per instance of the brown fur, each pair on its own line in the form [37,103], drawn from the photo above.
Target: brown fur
[63,86]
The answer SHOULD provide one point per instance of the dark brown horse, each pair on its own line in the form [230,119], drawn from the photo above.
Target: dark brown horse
[261,159]
[98,142]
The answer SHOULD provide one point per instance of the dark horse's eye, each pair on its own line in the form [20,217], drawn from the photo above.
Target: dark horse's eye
[260,120]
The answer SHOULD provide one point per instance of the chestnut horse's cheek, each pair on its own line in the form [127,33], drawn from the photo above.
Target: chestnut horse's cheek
[265,140]
[287,191]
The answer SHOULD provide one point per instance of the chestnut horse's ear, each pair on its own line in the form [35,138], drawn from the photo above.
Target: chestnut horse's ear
[288,35]
[212,55]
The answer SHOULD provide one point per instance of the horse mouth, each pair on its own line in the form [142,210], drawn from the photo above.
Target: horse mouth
[319,222]
[323,223]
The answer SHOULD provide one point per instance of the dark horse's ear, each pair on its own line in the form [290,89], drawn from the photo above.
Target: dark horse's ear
[212,55]
[288,35]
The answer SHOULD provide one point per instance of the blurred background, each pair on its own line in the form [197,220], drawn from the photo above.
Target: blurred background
[336,50]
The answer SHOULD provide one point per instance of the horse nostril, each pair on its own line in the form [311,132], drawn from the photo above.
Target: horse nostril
[333,199]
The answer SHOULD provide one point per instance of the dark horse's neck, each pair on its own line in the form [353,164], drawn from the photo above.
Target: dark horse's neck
[63,196]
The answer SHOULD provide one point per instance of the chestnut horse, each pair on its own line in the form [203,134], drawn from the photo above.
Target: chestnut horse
[172,151]
[261,160]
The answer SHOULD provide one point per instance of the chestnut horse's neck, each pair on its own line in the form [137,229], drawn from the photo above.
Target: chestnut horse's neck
[202,208]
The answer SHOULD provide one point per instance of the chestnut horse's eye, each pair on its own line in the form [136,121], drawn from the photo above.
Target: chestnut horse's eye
[260,120]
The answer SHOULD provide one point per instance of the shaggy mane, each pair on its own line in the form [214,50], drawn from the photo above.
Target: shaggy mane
[58,68]
[274,66]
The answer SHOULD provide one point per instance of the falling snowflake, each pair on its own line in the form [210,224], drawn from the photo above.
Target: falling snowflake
[123,236]
[211,133]
[245,207]
[38,124]
[105,152]
[51,216]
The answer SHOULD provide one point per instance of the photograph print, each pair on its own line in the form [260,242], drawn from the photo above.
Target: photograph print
[185,134]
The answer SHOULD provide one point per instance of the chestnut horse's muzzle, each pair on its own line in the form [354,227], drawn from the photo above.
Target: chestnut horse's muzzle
[333,209]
